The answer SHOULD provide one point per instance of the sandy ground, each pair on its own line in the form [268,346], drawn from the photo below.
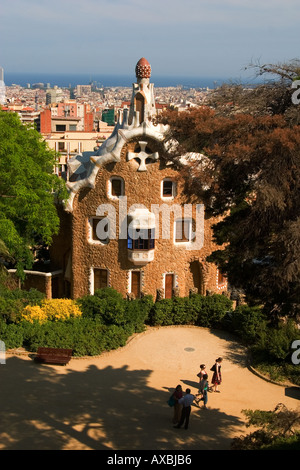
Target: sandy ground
[118,401]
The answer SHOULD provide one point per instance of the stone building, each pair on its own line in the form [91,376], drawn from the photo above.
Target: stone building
[125,224]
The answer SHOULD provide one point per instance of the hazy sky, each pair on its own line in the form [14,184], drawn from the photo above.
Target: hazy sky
[179,37]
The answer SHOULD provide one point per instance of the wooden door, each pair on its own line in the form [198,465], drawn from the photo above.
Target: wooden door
[169,284]
[136,283]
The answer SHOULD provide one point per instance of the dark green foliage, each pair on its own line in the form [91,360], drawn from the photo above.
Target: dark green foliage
[162,313]
[276,344]
[206,311]
[137,312]
[28,188]
[92,306]
[249,323]
[12,302]
[211,309]
[11,334]
[85,336]
[108,307]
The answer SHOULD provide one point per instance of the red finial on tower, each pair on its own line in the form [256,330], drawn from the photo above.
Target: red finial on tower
[143,68]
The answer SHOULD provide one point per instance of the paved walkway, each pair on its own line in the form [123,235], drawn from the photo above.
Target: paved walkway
[118,401]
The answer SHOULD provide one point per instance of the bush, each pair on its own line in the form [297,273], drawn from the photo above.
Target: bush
[85,336]
[51,310]
[249,323]
[11,334]
[195,310]
[92,306]
[277,343]
[209,311]
[162,313]
[181,311]
[107,304]
[276,429]
[13,302]
[137,312]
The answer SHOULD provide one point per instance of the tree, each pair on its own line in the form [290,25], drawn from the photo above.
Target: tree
[277,429]
[28,190]
[246,168]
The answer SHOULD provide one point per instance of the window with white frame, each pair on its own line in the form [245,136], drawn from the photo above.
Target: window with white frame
[183,231]
[168,189]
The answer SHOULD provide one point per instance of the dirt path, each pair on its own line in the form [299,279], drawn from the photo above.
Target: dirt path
[118,401]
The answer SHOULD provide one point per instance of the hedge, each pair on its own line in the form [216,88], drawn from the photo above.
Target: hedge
[205,311]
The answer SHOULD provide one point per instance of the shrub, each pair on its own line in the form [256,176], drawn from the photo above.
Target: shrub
[12,302]
[11,334]
[209,311]
[278,340]
[137,312]
[179,311]
[275,429]
[51,310]
[195,310]
[108,307]
[92,306]
[85,336]
[107,304]
[161,313]
[249,323]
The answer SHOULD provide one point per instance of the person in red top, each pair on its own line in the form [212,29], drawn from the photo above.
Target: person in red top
[177,407]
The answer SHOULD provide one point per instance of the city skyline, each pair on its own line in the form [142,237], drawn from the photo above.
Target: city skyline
[193,38]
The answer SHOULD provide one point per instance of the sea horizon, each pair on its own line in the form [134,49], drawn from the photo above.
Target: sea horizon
[65,80]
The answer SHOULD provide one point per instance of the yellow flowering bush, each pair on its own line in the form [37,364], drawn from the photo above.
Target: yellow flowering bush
[51,310]
[33,313]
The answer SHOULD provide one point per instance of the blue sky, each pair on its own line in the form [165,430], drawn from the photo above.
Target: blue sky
[183,38]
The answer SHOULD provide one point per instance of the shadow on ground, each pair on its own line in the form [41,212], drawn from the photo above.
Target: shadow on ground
[110,408]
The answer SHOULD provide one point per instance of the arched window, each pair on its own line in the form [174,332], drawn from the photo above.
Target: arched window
[140,106]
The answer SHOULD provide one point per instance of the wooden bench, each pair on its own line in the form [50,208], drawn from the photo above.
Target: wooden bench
[53,355]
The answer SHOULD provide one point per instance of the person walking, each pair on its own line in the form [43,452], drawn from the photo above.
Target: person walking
[217,376]
[177,407]
[186,403]
[202,372]
[203,388]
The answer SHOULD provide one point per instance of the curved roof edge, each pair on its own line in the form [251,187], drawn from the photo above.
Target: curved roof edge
[84,168]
